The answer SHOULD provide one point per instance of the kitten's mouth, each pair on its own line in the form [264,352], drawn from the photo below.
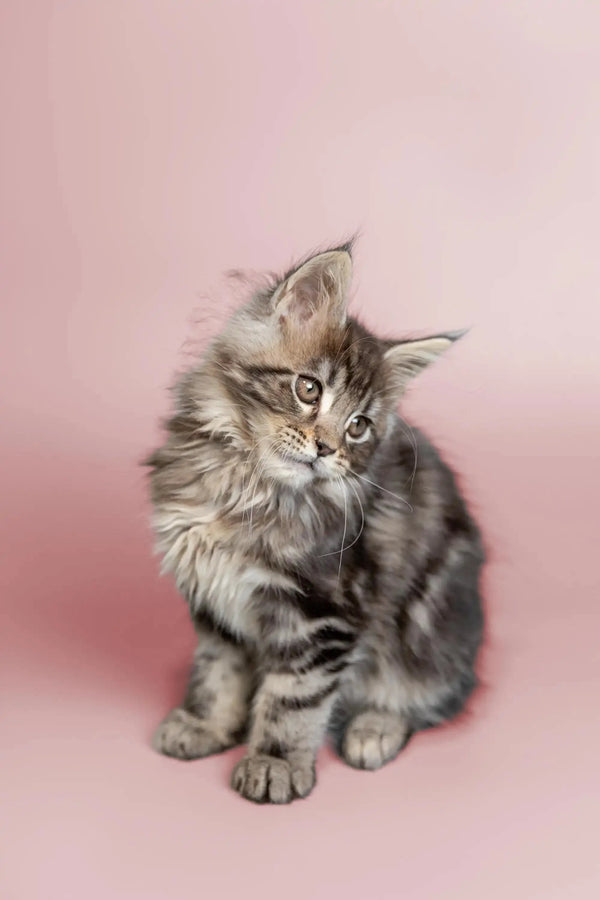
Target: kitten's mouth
[309,470]
[302,463]
[294,467]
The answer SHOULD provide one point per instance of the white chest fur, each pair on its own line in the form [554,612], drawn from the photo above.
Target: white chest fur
[214,568]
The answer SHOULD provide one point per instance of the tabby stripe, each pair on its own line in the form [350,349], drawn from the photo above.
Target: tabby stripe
[330,633]
[204,619]
[314,605]
[322,636]
[255,371]
[365,388]
[332,376]
[334,668]
[292,704]
[291,651]
[310,656]
[418,583]
[254,394]
[325,655]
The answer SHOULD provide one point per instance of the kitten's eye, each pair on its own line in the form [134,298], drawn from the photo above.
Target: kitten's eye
[358,427]
[308,390]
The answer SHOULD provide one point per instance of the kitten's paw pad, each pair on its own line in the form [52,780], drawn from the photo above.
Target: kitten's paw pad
[267,779]
[185,736]
[373,738]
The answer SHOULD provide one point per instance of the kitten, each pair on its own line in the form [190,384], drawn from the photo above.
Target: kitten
[328,560]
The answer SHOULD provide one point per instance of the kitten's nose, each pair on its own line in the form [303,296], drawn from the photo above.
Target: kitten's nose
[324,449]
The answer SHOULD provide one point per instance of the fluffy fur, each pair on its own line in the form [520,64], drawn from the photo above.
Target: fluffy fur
[330,565]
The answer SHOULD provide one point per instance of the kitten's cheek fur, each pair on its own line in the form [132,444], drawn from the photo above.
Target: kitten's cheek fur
[268,779]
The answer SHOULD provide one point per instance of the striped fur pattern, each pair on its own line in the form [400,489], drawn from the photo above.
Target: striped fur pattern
[329,562]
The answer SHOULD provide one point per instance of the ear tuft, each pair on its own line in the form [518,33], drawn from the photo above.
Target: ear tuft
[456,335]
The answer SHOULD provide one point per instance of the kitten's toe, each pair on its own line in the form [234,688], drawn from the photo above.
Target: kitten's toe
[267,779]
[373,738]
[184,736]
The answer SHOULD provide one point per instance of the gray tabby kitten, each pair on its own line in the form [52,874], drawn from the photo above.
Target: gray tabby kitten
[328,560]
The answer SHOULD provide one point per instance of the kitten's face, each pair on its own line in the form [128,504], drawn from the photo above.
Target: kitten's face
[320,415]
[313,390]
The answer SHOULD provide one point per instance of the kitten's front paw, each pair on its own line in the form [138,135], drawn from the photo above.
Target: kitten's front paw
[185,736]
[374,738]
[268,779]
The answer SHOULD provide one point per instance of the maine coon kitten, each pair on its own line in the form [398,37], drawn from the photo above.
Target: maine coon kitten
[329,563]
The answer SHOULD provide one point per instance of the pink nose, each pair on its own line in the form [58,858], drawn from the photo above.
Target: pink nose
[324,449]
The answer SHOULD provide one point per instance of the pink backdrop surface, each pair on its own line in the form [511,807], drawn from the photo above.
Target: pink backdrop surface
[148,146]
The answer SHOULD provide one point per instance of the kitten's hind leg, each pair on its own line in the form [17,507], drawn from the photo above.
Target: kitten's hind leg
[374,737]
[214,712]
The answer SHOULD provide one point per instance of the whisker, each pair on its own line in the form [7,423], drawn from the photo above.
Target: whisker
[342,548]
[362,523]
[339,350]
[262,463]
[349,348]
[385,490]
[256,471]
[362,515]
[415,448]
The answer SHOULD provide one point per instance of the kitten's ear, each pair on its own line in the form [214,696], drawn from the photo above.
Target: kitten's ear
[405,359]
[318,288]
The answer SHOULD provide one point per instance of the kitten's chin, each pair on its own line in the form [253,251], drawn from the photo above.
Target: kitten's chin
[291,472]
[296,473]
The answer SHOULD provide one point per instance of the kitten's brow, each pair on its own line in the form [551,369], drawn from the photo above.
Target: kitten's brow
[267,370]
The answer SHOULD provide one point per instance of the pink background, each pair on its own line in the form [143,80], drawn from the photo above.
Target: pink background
[148,146]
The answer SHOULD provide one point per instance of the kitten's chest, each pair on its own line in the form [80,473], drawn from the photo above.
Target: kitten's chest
[228,561]
[227,569]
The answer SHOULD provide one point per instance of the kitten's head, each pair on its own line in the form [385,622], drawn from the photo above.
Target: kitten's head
[307,387]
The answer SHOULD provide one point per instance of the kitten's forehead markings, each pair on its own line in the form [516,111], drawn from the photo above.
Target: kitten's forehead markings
[327,400]
[373,408]
[333,391]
